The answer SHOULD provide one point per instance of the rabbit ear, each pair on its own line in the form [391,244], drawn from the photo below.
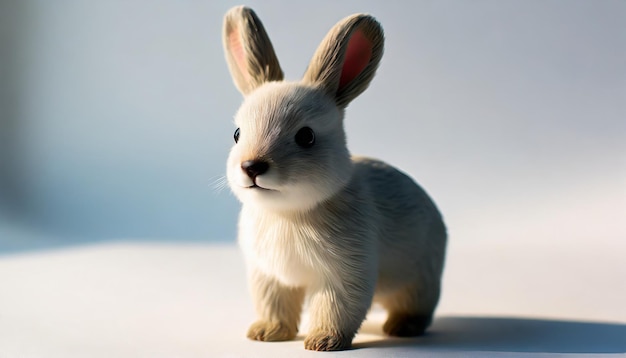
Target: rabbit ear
[249,51]
[346,60]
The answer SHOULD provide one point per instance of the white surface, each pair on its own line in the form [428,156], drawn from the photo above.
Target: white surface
[175,300]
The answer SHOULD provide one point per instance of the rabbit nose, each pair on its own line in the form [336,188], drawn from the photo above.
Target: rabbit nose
[254,167]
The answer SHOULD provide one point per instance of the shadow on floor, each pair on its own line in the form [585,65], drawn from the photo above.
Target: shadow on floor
[510,335]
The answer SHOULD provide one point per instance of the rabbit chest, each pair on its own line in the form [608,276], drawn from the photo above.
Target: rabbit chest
[297,252]
[287,249]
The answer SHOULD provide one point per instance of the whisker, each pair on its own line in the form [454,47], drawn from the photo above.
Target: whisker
[218,183]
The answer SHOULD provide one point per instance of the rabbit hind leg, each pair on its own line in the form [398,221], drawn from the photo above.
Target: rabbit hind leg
[410,310]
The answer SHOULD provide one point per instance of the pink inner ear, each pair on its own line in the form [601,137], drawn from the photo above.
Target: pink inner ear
[357,57]
[237,51]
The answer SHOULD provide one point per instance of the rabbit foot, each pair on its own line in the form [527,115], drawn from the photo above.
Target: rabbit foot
[327,341]
[271,331]
[406,325]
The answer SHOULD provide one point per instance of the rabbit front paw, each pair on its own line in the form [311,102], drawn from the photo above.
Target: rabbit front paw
[271,331]
[327,341]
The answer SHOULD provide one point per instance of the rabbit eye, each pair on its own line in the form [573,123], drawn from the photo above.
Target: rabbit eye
[236,136]
[305,137]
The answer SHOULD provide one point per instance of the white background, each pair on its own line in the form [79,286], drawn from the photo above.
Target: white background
[117,116]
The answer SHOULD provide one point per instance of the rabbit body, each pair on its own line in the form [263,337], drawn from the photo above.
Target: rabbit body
[368,241]
[315,222]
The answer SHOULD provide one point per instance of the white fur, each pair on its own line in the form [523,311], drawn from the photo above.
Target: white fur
[289,191]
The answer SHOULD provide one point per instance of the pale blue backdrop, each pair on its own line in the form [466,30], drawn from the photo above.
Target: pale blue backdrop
[115,116]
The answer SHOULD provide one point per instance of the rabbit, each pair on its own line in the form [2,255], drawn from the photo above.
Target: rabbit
[316,223]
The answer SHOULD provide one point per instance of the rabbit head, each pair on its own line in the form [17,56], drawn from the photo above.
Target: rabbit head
[290,152]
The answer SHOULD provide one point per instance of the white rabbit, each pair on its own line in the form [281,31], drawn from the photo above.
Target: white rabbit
[316,223]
